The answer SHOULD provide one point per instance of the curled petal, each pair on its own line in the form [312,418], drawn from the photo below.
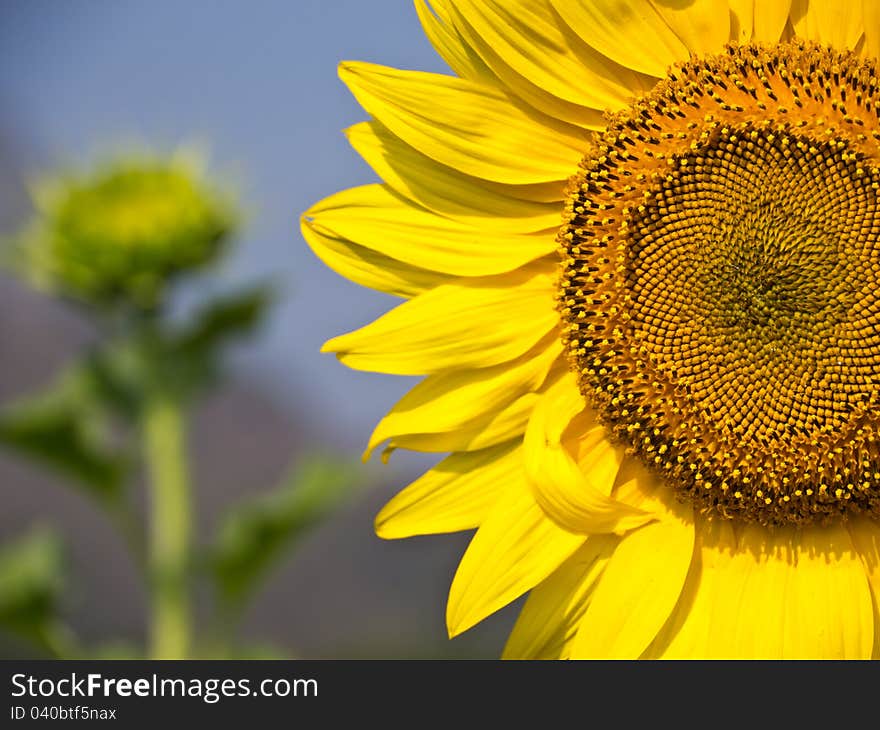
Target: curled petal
[559,485]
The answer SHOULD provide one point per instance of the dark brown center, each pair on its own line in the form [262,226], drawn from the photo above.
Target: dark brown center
[720,291]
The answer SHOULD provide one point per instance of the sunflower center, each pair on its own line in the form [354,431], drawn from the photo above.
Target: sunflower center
[720,291]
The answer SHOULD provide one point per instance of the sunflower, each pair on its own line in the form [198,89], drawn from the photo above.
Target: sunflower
[639,244]
[118,235]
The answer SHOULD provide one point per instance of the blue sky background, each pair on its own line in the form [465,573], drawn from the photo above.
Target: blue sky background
[256,83]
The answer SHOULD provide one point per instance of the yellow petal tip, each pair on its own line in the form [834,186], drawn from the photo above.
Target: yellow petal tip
[457,625]
[331,345]
[458,618]
[380,526]
[392,524]
[451,628]
[347,69]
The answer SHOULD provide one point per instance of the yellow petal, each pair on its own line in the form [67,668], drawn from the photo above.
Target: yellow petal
[770,19]
[598,459]
[457,494]
[551,192]
[549,620]
[871,20]
[741,20]
[472,324]
[832,614]
[543,61]
[744,578]
[631,33]
[565,492]
[446,191]
[688,633]
[501,426]
[865,535]
[449,44]
[702,25]
[377,218]
[460,401]
[638,590]
[789,594]
[640,487]
[505,424]
[830,22]
[515,548]
[472,128]
[366,267]
[525,92]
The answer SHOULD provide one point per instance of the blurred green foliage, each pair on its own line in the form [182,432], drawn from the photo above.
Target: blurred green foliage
[31,584]
[256,533]
[65,427]
[189,357]
[117,241]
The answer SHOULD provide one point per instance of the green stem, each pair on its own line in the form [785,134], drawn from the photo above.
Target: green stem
[164,436]
[130,528]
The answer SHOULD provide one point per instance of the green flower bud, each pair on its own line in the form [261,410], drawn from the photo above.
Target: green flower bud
[119,235]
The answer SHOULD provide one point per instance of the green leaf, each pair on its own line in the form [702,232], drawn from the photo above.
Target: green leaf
[118,379]
[188,359]
[65,429]
[224,320]
[257,533]
[31,583]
